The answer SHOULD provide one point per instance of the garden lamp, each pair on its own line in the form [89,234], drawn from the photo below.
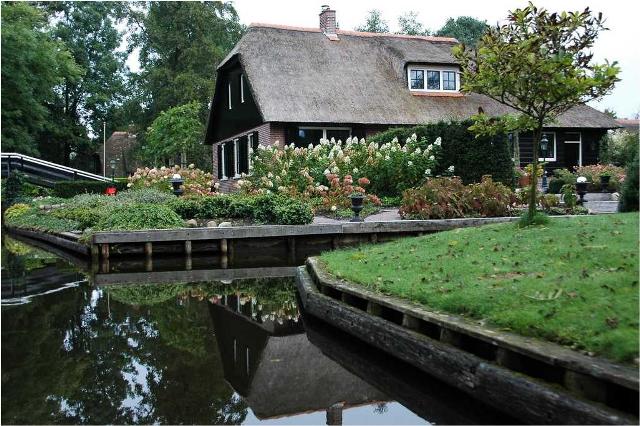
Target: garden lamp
[112,163]
[176,182]
[544,145]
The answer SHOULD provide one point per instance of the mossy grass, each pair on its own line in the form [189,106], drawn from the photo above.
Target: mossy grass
[573,281]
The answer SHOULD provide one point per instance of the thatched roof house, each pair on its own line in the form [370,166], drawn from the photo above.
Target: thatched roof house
[296,85]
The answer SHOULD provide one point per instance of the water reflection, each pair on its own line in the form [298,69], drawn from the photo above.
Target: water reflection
[213,352]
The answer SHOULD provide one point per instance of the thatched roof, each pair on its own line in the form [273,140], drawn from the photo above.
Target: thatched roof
[299,75]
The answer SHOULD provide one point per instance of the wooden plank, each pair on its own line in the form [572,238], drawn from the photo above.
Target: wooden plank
[52,239]
[547,352]
[524,397]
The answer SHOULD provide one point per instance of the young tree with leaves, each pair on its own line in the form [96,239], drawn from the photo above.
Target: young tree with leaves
[374,23]
[409,24]
[177,132]
[540,64]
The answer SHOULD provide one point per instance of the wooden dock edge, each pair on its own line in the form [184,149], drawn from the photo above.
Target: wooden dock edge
[64,240]
[489,368]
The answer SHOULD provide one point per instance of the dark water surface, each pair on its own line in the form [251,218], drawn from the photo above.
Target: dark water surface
[227,352]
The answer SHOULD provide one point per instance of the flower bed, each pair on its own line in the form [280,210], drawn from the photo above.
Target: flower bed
[196,181]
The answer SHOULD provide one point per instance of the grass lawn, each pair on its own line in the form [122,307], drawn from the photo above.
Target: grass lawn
[573,281]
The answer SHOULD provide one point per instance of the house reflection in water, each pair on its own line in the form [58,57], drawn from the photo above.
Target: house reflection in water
[269,361]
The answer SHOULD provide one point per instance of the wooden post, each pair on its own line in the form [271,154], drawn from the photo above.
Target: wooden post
[104,266]
[148,252]
[374,309]
[373,237]
[105,250]
[95,258]
[334,414]
[188,263]
[187,247]
[223,246]
[410,322]
[291,248]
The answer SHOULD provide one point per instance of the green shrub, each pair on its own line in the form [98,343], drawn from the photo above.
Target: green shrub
[16,210]
[619,147]
[144,196]
[13,189]
[471,157]
[216,206]
[446,198]
[67,189]
[281,210]
[629,197]
[186,207]
[37,220]
[139,216]
[538,218]
[555,185]
[85,217]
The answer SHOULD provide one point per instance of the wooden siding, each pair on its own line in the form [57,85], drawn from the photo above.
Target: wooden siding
[590,146]
[225,122]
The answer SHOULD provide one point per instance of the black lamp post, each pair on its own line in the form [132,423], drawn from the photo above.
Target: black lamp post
[544,146]
[112,163]
[176,182]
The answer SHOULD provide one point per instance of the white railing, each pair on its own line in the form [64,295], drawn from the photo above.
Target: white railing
[9,156]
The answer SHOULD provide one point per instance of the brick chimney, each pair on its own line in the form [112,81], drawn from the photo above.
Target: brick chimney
[328,23]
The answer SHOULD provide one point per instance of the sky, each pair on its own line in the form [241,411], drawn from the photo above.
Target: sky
[620,43]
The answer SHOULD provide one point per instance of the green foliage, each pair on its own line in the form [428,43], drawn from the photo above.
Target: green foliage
[85,217]
[619,147]
[139,216]
[282,211]
[497,274]
[409,24]
[16,210]
[42,221]
[537,219]
[539,64]
[447,198]
[471,156]
[629,196]
[374,23]
[70,188]
[33,64]
[569,196]
[181,44]
[178,131]
[81,105]
[466,29]
[13,189]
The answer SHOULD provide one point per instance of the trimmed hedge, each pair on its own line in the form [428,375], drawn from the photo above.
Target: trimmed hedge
[70,188]
[272,209]
[472,157]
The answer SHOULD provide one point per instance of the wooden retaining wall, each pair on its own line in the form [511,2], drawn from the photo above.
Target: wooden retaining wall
[533,380]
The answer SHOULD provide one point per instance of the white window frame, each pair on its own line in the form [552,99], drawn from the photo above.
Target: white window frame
[555,149]
[241,89]
[441,69]
[249,148]
[229,97]
[579,141]
[324,129]
[223,163]
[236,158]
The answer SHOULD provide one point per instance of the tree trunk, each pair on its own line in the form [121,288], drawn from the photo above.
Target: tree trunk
[537,134]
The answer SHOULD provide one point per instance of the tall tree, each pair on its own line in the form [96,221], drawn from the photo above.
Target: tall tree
[181,45]
[33,63]
[374,23]
[466,29]
[89,30]
[409,24]
[539,64]
[177,132]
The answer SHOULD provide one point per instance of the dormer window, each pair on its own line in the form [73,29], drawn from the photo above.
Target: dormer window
[439,78]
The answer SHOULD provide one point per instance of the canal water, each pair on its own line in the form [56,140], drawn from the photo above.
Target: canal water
[217,352]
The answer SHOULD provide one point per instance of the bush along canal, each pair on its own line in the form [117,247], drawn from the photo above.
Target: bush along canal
[473,308]
[236,351]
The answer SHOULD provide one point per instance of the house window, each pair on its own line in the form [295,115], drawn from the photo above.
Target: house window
[417,79]
[312,135]
[241,88]
[433,80]
[551,148]
[449,80]
[229,160]
[229,92]
[440,78]
[236,154]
